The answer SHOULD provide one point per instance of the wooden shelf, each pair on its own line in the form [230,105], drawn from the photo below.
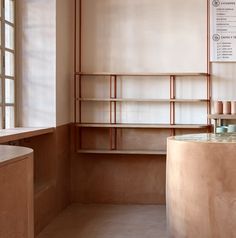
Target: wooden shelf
[140,74]
[142,126]
[133,152]
[222,116]
[141,100]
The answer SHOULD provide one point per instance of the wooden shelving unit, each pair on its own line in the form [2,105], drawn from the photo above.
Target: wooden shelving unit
[115,127]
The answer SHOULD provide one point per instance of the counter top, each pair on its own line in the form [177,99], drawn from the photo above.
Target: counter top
[207,138]
[9,154]
[19,133]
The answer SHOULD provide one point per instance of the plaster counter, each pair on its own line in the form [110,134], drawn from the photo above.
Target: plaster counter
[201,186]
[16,192]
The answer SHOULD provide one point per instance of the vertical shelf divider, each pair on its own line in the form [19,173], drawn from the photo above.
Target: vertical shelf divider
[80,69]
[80,111]
[113,111]
[209,86]
[111,129]
[75,79]
[172,103]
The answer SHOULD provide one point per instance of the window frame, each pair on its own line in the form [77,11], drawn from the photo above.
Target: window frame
[3,76]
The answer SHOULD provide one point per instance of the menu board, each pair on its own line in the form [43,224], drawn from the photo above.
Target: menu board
[223,30]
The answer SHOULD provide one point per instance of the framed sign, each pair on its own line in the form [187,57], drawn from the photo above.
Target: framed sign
[223,30]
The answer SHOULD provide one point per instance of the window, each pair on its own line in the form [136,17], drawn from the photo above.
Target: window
[7,69]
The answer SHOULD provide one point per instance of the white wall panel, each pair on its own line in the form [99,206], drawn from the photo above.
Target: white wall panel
[224,81]
[144,35]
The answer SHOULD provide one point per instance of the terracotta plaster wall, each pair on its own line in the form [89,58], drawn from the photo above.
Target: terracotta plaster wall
[125,179]
[51,174]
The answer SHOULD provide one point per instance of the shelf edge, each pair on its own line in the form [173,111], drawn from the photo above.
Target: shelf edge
[181,74]
[134,152]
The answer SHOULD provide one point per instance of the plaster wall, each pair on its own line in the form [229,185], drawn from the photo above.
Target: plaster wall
[36,62]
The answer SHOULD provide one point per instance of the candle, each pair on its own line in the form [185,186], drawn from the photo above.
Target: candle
[218,107]
[226,107]
[233,107]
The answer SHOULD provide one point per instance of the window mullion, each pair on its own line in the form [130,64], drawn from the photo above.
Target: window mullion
[6,80]
[15,69]
[8,98]
[3,63]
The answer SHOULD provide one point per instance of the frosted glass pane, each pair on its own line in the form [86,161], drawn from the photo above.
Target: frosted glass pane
[9,64]
[9,37]
[10,117]
[9,10]
[9,91]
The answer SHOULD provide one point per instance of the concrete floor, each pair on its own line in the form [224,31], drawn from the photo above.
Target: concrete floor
[108,221]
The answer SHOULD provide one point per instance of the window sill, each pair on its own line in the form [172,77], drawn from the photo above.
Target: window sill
[18,133]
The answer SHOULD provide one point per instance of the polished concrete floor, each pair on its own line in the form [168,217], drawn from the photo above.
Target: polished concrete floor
[108,221]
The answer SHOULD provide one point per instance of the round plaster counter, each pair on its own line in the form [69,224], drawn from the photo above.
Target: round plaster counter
[10,154]
[16,192]
[201,186]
